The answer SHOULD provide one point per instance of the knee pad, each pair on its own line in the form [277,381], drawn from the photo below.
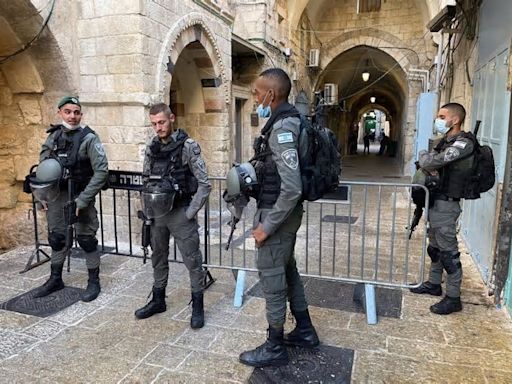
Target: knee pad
[57,241]
[433,253]
[88,243]
[448,261]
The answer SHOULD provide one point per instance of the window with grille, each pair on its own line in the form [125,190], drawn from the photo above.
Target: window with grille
[368,6]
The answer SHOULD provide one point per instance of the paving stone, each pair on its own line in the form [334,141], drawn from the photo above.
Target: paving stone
[167,356]
[15,321]
[443,353]
[166,377]
[75,313]
[216,366]
[198,339]
[231,342]
[374,367]
[44,329]
[12,343]
[144,373]
[352,339]
[399,328]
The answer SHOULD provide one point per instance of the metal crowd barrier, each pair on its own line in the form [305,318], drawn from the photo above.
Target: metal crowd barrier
[359,234]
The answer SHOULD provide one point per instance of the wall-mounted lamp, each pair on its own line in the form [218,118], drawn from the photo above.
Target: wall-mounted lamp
[366,76]
[364,115]
[372,99]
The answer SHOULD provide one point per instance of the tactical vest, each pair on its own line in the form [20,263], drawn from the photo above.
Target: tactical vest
[454,175]
[166,162]
[66,147]
[269,181]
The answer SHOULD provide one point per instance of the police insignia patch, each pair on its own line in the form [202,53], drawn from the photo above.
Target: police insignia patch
[451,154]
[291,158]
[100,149]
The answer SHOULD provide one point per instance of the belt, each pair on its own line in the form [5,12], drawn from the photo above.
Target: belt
[446,198]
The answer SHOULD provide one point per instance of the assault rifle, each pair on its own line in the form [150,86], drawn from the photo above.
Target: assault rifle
[236,207]
[418,197]
[146,233]
[70,218]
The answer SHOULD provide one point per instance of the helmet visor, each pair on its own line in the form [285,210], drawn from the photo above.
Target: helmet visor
[45,192]
[156,204]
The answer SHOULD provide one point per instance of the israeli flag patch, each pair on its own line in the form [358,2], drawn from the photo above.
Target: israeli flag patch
[286,137]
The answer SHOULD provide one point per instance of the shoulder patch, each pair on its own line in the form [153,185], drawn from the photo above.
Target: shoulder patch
[99,148]
[291,158]
[451,154]
[196,149]
[285,137]
[460,144]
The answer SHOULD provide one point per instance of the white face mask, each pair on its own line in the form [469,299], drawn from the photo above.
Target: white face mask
[440,126]
[69,126]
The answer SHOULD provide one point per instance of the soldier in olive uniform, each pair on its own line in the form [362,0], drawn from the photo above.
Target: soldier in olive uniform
[80,152]
[174,158]
[277,220]
[452,160]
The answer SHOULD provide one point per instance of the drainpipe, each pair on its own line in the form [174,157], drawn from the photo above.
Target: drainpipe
[439,64]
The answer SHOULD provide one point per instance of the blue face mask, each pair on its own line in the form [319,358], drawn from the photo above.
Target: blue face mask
[441,127]
[262,111]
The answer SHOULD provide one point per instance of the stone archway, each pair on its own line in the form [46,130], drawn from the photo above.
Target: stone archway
[192,78]
[30,83]
[405,97]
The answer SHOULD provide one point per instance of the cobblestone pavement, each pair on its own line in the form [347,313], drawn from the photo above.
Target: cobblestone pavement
[102,342]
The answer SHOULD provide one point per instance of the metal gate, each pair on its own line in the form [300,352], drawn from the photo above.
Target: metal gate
[358,234]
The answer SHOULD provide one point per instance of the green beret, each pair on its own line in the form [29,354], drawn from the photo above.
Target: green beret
[68,100]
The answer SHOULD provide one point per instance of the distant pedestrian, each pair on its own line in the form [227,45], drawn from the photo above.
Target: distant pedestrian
[366,142]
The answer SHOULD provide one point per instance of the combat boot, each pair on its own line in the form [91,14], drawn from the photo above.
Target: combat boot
[429,288]
[53,284]
[271,353]
[156,305]
[197,319]
[447,305]
[93,285]
[304,334]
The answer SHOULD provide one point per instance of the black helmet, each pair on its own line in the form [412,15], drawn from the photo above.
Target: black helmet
[46,183]
[240,180]
[157,199]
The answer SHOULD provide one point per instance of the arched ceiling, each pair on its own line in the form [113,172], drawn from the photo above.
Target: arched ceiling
[296,8]
[346,71]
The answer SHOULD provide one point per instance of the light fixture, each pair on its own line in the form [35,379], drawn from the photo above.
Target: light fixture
[372,99]
[366,76]
[364,114]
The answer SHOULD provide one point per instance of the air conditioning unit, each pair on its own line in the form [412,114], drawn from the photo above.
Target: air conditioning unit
[314,58]
[330,94]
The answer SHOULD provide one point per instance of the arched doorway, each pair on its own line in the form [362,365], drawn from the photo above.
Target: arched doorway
[197,91]
[30,83]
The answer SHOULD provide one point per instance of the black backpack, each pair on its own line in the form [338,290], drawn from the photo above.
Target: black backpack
[482,176]
[319,159]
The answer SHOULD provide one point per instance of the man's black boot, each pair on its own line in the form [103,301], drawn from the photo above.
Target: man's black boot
[447,305]
[271,353]
[429,288]
[197,319]
[54,283]
[304,334]
[156,305]
[93,285]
